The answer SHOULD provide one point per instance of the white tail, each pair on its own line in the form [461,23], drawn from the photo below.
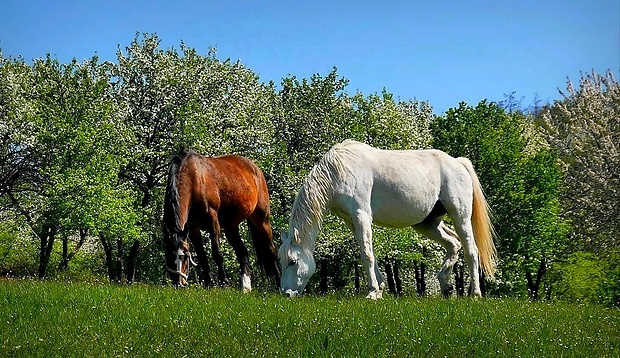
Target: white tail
[481,223]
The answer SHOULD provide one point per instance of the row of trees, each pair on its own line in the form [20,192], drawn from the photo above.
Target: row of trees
[86,145]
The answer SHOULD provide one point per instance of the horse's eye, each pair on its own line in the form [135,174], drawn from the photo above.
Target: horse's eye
[292,262]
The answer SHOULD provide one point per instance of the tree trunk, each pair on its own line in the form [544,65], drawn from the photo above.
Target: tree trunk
[109,258]
[65,254]
[459,278]
[533,285]
[323,283]
[66,257]
[390,276]
[119,260]
[132,259]
[340,272]
[420,275]
[397,280]
[47,238]
[357,278]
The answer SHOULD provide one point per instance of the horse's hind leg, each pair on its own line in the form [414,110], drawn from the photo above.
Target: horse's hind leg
[233,237]
[214,235]
[203,261]
[262,237]
[439,232]
[466,233]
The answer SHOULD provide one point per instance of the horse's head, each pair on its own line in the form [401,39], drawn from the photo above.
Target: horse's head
[177,263]
[298,266]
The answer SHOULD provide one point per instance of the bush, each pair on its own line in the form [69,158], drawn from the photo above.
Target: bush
[588,277]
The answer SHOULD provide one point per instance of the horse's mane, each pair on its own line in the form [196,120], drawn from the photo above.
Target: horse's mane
[314,196]
[171,226]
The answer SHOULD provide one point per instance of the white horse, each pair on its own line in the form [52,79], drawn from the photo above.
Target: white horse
[410,188]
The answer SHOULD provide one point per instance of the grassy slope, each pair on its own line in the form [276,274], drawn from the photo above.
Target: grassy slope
[54,319]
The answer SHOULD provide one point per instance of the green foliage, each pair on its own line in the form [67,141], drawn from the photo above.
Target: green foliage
[17,255]
[581,274]
[86,147]
[589,277]
[521,180]
[53,319]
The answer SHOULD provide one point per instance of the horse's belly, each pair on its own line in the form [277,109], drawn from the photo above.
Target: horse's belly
[401,206]
[398,216]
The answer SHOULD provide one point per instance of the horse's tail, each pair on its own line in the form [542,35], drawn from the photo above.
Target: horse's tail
[481,223]
[171,225]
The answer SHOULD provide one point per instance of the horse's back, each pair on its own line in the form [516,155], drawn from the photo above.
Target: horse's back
[231,184]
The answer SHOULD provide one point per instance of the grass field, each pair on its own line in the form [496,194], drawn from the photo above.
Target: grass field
[88,320]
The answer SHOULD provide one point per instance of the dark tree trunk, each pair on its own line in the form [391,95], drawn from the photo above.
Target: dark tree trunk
[390,276]
[47,238]
[340,281]
[397,280]
[459,278]
[67,256]
[420,274]
[419,278]
[533,284]
[323,283]
[357,278]
[132,259]
[109,258]
[119,260]
[147,190]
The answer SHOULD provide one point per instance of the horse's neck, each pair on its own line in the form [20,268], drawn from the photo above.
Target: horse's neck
[307,216]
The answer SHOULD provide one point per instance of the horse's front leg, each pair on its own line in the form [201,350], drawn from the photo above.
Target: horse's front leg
[214,235]
[203,261]
[362,224]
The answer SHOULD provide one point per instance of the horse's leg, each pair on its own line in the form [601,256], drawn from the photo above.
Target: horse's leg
[214,235]
[203,261]
[362,225]
[439,232]
[466,233]
[233,237]
[262,237]
[378,274]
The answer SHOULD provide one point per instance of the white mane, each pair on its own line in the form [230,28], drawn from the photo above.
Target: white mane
[314,196]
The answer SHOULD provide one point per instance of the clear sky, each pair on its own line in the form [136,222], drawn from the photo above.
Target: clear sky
[443,52]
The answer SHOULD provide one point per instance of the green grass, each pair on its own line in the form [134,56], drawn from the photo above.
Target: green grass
[75,320]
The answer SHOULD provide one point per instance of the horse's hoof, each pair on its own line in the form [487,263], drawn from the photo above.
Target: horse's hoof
[375,295]
[246,284]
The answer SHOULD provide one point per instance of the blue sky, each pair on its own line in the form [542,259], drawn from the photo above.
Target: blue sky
[443,52]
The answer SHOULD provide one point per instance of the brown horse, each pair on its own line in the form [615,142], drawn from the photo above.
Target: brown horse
[211,194]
